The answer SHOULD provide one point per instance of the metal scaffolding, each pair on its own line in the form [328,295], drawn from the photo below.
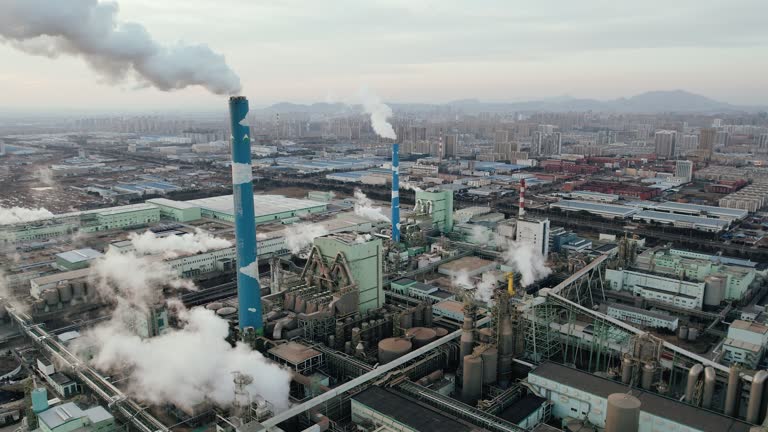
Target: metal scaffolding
[542,341]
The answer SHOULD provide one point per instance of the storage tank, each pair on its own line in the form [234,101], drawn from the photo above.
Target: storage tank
[756,396]
[646,380]
[65,292]
[226,310]
[418,316]
[78,290]
[714,290]
[490,359]
[428,316]
[440,332]
[710,378]
[467,340]
[623,413]
[421,336]
[733,392]
[627,369]
[39,400]
[693,378]
[51,297]
[693,334]
[393,348]
[406,320]
[472,388]
[214,306]
[682,332]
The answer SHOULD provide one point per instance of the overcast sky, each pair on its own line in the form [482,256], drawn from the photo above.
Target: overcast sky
[428,51]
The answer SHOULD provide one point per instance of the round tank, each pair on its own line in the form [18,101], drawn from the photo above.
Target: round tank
[332,341]
[428,317]
[440,332]
[646,380]
[682,332]
[365,332]
[355,336]
[693,334]
[472,387]
[214,306]
[418,317]
[627,369]
[226,310]
[623,413]
[39,400]
[733,391]
[490,359]
[51,297]
[78,289]
[65,292]
[714,290]
[393,348]
[406,320]
[348,347]
[421,336]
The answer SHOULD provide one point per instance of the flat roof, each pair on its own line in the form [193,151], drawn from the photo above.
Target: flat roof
[294,352]
[523,408]
[74,274]
[674,217]
[650,313]
[750,326]
[409,412]
[576,205]
[57,416]
[263,204]
[652,403]
[165,202]
[79,255]
[690,208]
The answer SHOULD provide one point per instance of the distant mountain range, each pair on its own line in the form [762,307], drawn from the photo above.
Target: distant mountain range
[650,102]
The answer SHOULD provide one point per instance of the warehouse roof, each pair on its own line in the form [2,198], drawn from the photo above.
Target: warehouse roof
[63,276]
[693,209]
[651,403]
[575,205]
[57,416]
[263,204]
[674,217]
[409,412]
[165,202]
[650,313]
[79,255]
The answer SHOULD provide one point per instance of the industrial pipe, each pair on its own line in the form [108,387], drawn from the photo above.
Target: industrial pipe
[248,289]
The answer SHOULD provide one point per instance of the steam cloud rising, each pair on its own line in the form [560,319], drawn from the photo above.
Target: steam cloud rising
[159,369]
[379,113]
[364,207]
[14,215]
[298,237]
[526,260]
[115,49]
[174,245]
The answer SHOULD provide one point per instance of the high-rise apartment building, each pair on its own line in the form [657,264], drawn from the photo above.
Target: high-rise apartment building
[546,144]
[762,143]
[684,169]
[665,144]
[450,145]
[707,142]
[722,139]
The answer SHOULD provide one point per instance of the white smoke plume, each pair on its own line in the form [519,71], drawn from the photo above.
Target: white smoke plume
[526,260]
[379,112]
[115,49]
[364,207]
[160,370]
[410,186]
[483,288]
[299,237]
[14,215]
[45,176]
[137,280]
[172,246]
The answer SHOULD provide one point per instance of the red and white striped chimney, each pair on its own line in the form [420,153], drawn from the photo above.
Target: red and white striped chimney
[521,211]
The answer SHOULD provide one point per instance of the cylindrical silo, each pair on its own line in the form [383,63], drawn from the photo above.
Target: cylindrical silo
[693,378]
[467,340]
[406,320]
[733,393]
[756,396]
[714,290]
[355,336]
[51,297]
[490,359]
[646,380]
[506,349]
[440,332]
[693,334]
[418,316]
[78,290]
[710,379]
[421,336]
[682,332]
[472,388]
[348,348]
[627,370]
[623,413]
[393,348]
[428,317]
[65,292]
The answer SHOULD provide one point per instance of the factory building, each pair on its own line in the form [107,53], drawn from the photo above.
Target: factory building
[364,260]
[268,208]
[642,317]
[178,211]
[703,211]
[69,417]
[76,259]
[130,216]
[745,343]
[438,205]
[682,221]
[604,210]
[534,232]
[677,292]
[578,395]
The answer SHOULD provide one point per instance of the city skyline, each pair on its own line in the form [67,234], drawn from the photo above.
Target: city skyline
[421,53]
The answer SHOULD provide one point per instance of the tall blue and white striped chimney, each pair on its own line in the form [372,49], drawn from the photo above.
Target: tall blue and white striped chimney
[396,193]
[248,289]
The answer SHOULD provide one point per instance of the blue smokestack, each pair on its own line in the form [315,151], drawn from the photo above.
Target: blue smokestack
[396,193]
[248,290]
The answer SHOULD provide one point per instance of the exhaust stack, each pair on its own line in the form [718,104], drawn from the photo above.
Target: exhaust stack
[248,289]
[396,193]
[521,211]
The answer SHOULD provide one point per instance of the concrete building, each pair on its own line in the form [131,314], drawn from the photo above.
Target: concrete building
[761,142]
[682,221]
[745,343]
[268,208]
[665,144]
[546,144]
[438,205]
[707,142]
[704,211]
[751,198]
[69,417]
[535,232]
[609,211]
[722,139]
[178,211]
[677,292]
[684,169]
[578,394]
[365,263]
[450,145]
[642,317]
[76,259]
